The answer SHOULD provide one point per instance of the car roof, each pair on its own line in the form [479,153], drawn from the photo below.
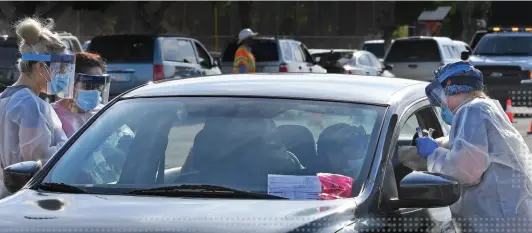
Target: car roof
[334,87]
[374,41]
[436,38]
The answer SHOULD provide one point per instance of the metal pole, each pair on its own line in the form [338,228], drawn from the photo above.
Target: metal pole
[216,39]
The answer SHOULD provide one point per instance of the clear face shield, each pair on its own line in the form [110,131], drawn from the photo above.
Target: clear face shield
[436,94]
[61,69]
[91,91]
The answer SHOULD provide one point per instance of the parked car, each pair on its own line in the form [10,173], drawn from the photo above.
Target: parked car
[212,147]
[9,54]
[376,47]
[418,57]
[71,42]
[504,56]
[349,61]
[273,55]
[463,46]
[86,45]
[133,60]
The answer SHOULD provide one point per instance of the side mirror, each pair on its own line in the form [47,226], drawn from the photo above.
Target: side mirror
[388,67]
[426,190]
[18,174]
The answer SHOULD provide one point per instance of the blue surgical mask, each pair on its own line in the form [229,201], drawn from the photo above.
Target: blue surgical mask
[58,83]
[88,99]
[447,115]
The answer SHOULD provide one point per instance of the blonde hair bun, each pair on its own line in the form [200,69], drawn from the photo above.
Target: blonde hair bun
[29,30]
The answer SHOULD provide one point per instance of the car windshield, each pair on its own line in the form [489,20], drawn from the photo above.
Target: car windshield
[264,50]
[476,39]
[504,46]
[222,141]
[333,58]
[376,48]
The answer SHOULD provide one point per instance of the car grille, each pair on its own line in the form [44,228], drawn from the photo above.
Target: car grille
[503,75]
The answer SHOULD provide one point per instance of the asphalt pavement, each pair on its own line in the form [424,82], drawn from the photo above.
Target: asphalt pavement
[522,125]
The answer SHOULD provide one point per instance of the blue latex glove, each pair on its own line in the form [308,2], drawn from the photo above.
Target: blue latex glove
[425,146]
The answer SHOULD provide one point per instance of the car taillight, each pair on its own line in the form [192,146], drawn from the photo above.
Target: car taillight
[283,68]
[158,72]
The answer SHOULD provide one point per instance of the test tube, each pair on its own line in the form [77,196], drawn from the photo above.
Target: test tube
[419,133]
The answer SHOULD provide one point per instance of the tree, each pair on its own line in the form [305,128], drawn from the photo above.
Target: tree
[470,12]
[245,13]
[153,19]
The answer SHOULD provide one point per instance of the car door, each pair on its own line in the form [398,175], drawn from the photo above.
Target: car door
[364,64]
[179,59]
[299,59]
[420,115]
[205,60]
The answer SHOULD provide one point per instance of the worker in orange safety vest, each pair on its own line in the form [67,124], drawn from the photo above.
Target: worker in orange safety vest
[244,60]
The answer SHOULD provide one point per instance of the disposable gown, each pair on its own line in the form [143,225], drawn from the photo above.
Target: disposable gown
[29,129]
[492,162]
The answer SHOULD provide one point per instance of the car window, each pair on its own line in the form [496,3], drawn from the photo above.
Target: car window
[364,60]
[306,55]
[231,142]
[409,128]
[9,50]
[67,44]
[178,51]
[264,50]
[287,51]
[504,45]
[333,58]
[476,39]
[128,49]
[298,55]
[414,51]
[376,48]
[203,56]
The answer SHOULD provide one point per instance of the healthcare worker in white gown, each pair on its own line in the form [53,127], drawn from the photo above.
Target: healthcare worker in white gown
[30,130]
[486,154]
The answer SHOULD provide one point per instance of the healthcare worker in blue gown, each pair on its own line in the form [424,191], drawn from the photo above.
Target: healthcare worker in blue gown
[486,154]
[30,130]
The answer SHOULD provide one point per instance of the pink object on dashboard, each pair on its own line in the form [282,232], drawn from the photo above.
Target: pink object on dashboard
[335,186]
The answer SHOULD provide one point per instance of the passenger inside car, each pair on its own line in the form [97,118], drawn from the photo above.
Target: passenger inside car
[344,147]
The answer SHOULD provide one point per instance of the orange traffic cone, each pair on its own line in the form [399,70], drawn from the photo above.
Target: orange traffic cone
[530,128]
[509,111]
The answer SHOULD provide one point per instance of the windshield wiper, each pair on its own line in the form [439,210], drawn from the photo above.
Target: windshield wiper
[199,190]
[61,187]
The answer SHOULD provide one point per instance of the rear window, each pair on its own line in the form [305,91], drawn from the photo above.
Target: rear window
[334,58]
[263,50]
[376,49]
[9,50]
[124,49]
[414,51]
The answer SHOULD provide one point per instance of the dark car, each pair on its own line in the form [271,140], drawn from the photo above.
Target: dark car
[203,164]
[9,54]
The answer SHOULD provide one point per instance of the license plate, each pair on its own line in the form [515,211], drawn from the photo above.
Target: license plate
[120,77]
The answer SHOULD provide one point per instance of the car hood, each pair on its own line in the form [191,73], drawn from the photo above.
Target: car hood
[30,209]
[523,61]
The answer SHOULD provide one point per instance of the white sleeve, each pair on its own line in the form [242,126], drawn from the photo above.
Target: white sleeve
[34,135]
[468,157]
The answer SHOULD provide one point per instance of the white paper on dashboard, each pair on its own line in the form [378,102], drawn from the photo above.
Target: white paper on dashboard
[294,187]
